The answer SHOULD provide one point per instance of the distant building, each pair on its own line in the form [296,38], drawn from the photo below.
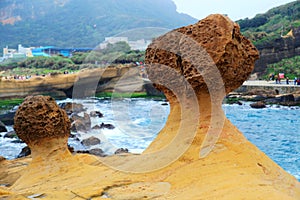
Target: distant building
[51,50]
[26,51]
[112,40]
[46,51]
[134,45]
[139,44]
[9,53]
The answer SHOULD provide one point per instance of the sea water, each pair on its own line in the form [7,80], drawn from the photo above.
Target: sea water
[274,130]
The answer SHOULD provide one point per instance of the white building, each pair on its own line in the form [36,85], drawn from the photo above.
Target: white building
[112,40]
[134,45]
[26,51]
[139,44]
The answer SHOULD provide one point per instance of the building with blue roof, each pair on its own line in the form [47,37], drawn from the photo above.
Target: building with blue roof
[51,50]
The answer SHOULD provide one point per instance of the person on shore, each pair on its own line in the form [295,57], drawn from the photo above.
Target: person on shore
[287,80]
[295,80]
[276,79]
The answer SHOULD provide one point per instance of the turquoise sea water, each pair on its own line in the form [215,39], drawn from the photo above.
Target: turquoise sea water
[275,130]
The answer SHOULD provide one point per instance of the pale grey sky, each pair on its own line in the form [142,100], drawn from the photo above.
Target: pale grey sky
[235,9]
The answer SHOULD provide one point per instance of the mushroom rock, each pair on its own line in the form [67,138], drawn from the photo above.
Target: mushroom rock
[199,154]
[196,66]
[45,128]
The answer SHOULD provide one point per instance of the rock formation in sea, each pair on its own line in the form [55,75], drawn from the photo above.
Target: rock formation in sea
[199,154]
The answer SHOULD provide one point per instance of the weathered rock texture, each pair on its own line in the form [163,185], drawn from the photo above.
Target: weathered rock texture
[39,118]
[229,51]
[233,161]
[179,163]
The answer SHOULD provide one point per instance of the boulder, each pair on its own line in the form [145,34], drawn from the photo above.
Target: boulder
[71,149]
[286,98]
[258,105]
[2,127]
[24,152]
[11,135]
[17,141]
[8,118]
[97,152]
[80,123]
[96,127]
[70,107]
[91,141]
[78,126]
[96,114]
[108,126]
[121,151]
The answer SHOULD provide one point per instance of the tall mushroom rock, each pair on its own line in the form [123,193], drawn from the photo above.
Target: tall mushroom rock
[196,66]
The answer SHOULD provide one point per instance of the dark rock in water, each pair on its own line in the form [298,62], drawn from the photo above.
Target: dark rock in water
[239,103]
[262,92]
[82,151]
[25,152]
[80,123]
[8,118]
[72,107]
[71,149]
[18,141]
[91,141]
[2,127]
[289,103]
[287,98]
[11,134]
[108,126]
[275,100]
[72,136]
[78,126]
[257,105]
[97,152]
[96,127]
[164,104]
[121,150]
[297,98]
[96,114]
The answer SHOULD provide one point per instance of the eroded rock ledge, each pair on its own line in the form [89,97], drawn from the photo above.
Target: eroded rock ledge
[198,155]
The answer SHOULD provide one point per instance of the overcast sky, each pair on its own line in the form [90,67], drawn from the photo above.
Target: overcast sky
[235,9]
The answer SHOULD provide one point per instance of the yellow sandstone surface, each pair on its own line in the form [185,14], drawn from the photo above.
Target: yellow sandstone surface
[198,155]
[235,169]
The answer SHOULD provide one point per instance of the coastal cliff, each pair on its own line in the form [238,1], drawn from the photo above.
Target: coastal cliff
[199,154]
[275,51]
[61,85]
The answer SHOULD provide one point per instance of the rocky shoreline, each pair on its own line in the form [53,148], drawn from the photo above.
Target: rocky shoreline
[199,154]
[264,97]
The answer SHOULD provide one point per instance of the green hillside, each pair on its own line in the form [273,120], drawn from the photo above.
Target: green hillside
[267,27]
[78,23]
